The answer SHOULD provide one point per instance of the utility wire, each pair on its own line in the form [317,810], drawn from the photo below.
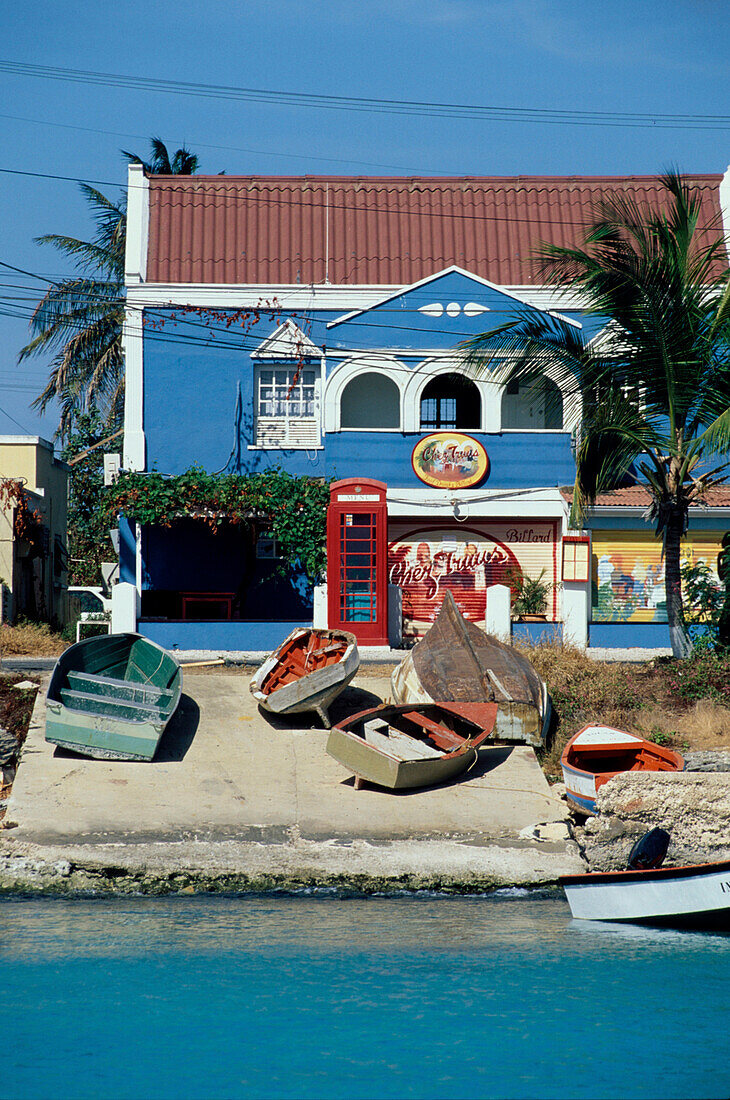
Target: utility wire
[494,112]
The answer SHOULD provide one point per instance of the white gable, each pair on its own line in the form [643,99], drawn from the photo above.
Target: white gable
[287,342]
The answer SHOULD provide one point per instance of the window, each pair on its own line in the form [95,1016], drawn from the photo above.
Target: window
[267,546]
[287,407]
[371,400]
[532,404]
[451,401]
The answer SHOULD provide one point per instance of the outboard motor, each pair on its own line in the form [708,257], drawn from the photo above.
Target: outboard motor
[649,851]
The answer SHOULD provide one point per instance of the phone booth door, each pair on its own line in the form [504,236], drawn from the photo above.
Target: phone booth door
[357,548]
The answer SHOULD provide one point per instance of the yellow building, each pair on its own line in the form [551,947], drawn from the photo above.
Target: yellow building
[32,534]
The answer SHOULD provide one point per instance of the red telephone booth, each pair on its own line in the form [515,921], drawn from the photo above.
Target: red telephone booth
[357,551]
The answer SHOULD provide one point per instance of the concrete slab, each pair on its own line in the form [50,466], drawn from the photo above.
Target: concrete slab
[225,772]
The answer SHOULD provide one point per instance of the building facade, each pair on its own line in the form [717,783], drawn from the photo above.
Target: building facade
[33,561]
[314,324]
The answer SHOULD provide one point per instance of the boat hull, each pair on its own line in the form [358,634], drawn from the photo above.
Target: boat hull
[597,753]
[366,761]
[667,895]
[377,767]
[456,661]
[316,690]
[111,698]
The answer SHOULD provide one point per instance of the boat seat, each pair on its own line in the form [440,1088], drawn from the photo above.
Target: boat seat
[441,734]
[112,687]
[396,743]
[125,709]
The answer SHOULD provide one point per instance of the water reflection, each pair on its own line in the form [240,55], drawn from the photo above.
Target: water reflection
[509,921]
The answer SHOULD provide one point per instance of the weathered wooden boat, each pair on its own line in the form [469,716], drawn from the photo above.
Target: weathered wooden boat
[412,746]
[458,662]
[693,896]
[111,697]
[596,753]
[307,672]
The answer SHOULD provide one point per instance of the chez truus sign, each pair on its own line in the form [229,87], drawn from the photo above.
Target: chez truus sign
[450,460]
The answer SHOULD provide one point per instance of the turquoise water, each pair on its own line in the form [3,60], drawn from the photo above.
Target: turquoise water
[321,996]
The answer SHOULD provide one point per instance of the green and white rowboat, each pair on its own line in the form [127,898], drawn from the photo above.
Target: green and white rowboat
[111,697]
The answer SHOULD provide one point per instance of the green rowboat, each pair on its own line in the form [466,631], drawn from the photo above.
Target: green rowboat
[111,697]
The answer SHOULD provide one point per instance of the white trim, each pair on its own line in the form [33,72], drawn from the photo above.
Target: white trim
[138,559]
[138,223]
[724,196]
[132,350]
[453,269]
[287,342]
[367,363]
[353,297]
[494,504]
[286,447]
[253,295]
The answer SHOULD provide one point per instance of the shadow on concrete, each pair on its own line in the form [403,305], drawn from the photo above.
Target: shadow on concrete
[178,737]
[350,701]
[488,759]
[174,743]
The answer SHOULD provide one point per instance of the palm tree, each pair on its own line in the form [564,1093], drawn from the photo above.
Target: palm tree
[183,163]
[655,383]
[80,318]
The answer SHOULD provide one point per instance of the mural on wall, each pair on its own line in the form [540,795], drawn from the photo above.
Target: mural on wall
[628,574]
[427,561]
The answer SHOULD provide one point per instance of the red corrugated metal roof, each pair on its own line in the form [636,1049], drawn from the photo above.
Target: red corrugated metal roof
[636,496]
[397,230]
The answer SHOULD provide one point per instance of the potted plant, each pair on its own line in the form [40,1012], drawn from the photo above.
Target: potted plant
[529,597]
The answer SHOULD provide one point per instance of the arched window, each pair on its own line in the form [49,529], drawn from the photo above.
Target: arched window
[450,401]
[370,400]
[530,404]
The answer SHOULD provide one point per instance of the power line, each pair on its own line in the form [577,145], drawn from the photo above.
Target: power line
[493,112]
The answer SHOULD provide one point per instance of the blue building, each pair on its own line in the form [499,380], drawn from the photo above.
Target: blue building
[313,324]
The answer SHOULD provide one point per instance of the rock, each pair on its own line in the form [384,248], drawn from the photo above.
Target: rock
[548,830]
[8,746]
[693,807]
[25,685]
[708,761]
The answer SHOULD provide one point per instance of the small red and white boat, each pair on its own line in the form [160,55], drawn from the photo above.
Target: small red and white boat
[693,896]
[597,753]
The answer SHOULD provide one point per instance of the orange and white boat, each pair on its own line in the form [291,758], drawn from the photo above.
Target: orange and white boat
[597,753]
[307,672]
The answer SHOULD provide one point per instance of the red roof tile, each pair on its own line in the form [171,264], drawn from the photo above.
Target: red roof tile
[636,496]
[251,229]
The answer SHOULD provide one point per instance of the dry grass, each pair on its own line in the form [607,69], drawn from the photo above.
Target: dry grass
[684,704]
[30,640]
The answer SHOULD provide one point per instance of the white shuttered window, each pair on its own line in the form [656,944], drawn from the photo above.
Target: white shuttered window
[287,408]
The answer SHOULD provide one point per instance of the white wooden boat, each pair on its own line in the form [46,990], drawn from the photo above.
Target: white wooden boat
[692,896]
[407,746]
[307,672]
[596,753]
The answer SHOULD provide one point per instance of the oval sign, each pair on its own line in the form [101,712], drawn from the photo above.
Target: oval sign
[450,460]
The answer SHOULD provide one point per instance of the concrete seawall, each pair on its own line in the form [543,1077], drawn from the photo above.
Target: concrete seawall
[233,801]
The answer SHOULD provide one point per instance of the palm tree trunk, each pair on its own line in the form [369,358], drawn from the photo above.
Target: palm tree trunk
[679,638]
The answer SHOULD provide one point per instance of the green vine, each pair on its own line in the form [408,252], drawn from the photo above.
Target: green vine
[294,509]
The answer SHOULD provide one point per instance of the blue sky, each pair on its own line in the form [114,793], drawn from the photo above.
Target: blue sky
[656,58]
